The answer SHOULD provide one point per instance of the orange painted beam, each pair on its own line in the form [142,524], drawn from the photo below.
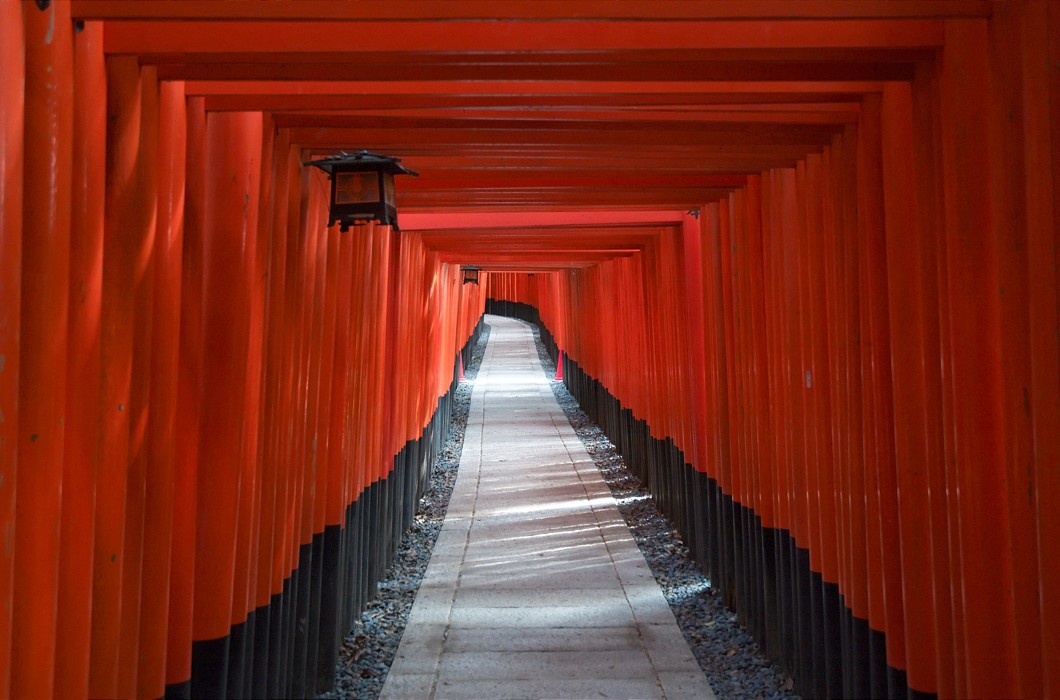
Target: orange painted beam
[733,69]
[282,97]
[560,258]
[716,161]
[517,135]
[190,37]
[557,127]
[554,238]
[679,199]
[449,249]
[535,208]
[707,160]
[677,115]
[466,220]
[563,179]
[255,10]
[375,63]
[508,87]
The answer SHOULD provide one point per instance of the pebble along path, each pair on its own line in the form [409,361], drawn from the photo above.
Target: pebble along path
[725,651]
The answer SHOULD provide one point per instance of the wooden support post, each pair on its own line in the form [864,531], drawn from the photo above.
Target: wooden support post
[12,118]
[909,253]
[141,237]
[161,439]
[233,152]
[44,333]
[972,366]
[186,429]
[83,396]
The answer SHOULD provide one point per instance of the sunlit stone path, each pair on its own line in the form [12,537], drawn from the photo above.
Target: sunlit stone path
[536,587]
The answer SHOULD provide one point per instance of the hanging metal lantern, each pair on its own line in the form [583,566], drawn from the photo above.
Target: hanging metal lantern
[362,187]
[470,274]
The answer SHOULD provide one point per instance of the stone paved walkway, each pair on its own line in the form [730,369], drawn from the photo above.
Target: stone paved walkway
[536,588]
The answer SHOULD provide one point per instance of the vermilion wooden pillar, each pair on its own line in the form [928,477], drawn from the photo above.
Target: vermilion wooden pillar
[186,428]
[691,235]
[396,353]
[86,281]
[1039,51]
[925,110]
[140,237]
[122,216]
[160,448]
[714,348]
[388,328]
[830,364]
[270,570]
[255,247]
[284,340]
[1021,143]
[912,309]
[972,366]
[44,334]
[874,386]
[755,278]
[233,152]
[768,193]
[380,321]
[337,460]
[852,426]
[820,224]
[254,667]
[293,399]
[12,116]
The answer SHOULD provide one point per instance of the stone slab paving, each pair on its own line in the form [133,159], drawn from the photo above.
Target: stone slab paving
[535,588]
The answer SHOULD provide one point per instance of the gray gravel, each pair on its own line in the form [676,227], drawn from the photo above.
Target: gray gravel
[726,652]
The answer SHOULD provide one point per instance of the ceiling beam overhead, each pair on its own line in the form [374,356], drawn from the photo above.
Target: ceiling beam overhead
[435,10]
[548,133]
[422,38]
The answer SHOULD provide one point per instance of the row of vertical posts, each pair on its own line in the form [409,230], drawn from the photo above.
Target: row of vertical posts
[842,380]
[216,415]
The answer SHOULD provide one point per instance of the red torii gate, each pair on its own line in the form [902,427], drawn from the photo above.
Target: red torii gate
[860,323]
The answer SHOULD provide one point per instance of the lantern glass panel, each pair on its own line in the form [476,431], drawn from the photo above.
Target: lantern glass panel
[388,187]
[356,188]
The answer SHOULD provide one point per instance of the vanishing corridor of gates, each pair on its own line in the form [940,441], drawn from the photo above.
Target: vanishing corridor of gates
[535,587]
[799,259]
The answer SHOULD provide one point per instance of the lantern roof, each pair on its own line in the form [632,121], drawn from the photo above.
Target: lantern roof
[362,161]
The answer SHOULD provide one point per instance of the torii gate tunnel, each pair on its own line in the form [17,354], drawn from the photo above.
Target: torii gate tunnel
[799,260]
